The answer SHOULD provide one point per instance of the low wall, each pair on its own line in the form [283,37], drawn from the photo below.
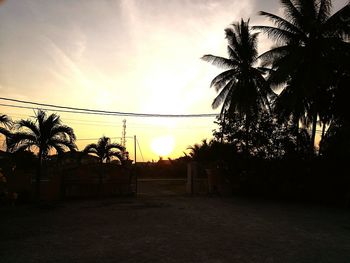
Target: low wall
[97,180]
[82,181]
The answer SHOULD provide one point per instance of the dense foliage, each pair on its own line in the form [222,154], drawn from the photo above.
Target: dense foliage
[271,138]
[309,70]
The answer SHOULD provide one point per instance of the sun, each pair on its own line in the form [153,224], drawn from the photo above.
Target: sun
[163,145]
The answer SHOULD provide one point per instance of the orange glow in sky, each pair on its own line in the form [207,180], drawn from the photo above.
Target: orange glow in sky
[121,55]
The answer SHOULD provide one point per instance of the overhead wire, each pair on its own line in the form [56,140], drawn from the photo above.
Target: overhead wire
[60,108]
[138,145]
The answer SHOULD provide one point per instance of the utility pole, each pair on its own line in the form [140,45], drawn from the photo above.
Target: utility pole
[135,141]
[123,138]
[136,185]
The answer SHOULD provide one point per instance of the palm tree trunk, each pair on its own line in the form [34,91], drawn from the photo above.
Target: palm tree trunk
[247,124]
[38,176]
[298,136]
[322,136]
[313,132]
[100,177]
[323,131]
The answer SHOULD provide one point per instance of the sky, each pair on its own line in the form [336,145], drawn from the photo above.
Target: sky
[121,55]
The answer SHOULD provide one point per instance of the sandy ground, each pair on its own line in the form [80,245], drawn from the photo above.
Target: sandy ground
[174,229]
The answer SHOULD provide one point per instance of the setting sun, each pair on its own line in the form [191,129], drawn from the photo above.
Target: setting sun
[163,145]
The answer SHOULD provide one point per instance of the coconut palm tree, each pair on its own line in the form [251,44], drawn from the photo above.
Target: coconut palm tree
[309,55]
[5,122]
[242,87]
[105,150]
[200,152]
[42,135]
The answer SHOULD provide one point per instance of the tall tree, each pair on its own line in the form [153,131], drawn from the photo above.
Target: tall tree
[105,150]
[41,135]
[311,45]
[5,123]
[242,87]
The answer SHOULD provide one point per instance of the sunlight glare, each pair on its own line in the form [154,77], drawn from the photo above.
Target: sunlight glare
[163,145]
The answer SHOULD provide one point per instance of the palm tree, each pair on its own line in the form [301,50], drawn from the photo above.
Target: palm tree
[242,87]
[5,126]
[105,150]
[309,54]
[200,152]
[5,122]
[42,135]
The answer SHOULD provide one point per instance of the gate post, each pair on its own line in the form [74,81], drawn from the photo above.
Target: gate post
[191,174]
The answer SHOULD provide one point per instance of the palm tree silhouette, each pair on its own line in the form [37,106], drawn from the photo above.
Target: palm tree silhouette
[41,135]
[5,122]
[310,43]
[200,151]
[242,87]
[105,150]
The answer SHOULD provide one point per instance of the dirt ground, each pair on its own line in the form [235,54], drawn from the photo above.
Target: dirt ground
[174,229]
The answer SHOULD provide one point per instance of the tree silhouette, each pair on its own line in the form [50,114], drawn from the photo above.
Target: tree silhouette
[105,150]
[242,87]
[200,151]
[41,135]
[5,122]
[309,54]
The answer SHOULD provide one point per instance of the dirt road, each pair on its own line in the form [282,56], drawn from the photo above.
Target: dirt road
[174,229]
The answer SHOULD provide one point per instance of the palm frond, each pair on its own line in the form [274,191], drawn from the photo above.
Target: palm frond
[60,149]
[30,125]
[21,148]
[222,79]
[269,57]
[114,146]
[338,23]
[219,61]
[292,12]
[103,141]
[116,154]
[283,24]
[40,117]
[227,103]
[5,132]
[232,53]
[324,10]
[5,120]
[49,123]
[278,34]
[222,95]
[63,130]
[63,143]
[90,148]
[18,139]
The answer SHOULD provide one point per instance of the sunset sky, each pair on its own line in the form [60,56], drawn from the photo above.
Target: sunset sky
[121,55]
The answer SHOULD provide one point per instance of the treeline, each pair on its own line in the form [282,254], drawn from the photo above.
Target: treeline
[284,121]
[30,142]
[297,86]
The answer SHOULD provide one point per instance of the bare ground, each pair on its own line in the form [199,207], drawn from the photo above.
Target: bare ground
[174,229]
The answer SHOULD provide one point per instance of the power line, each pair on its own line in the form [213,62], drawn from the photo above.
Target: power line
[138,145]
[56,110]
[112,124]
[93,139]
[102,112]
